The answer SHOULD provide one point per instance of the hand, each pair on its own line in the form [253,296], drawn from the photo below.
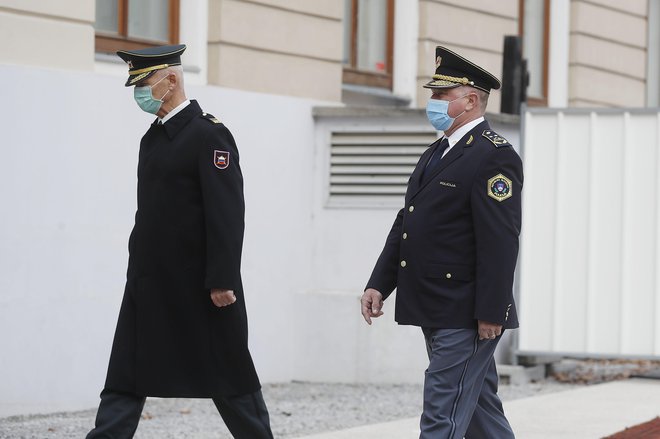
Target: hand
[489,331]
[222,298]
[372,303]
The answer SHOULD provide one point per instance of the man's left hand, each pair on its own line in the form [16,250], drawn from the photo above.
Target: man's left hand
[222,298]
[489,331]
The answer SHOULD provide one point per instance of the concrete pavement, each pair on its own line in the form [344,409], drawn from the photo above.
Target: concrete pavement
[590,412]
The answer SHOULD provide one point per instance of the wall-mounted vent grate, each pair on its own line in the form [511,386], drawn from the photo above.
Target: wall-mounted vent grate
[374,166]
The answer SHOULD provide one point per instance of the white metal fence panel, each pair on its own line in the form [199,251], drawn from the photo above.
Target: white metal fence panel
[590,253]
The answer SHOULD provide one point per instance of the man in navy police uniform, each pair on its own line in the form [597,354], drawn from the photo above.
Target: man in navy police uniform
[182,329]
[451,255]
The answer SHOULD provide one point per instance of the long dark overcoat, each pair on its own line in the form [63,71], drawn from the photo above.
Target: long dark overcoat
[451,253]
[171,340]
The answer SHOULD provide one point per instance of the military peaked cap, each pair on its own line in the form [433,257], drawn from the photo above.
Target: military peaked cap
[452,70]
[145,62]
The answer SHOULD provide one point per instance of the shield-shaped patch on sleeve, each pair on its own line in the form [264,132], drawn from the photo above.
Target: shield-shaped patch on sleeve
[221,159]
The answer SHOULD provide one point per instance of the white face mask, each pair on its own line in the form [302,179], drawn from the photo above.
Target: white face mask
[436,112]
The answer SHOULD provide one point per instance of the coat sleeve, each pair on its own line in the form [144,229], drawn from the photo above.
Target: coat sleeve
[496,208]
[384,276]
[224,209]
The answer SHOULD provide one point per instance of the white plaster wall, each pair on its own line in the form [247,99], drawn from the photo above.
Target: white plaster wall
[67,187]
[406,36]
[347,242]
[558,78]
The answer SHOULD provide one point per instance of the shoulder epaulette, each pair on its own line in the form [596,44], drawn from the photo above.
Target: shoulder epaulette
[210,118]
[496,139]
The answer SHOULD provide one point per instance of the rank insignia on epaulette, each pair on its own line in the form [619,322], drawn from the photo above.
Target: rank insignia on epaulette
[499,188]
[221,159]
[496,139]
[210,117]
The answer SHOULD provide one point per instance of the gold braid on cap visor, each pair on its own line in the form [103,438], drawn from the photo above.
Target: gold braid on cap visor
[138,78]
[464,81]
[149,69]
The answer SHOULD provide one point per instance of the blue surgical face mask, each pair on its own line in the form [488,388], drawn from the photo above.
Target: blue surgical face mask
[145,99]
[436,111]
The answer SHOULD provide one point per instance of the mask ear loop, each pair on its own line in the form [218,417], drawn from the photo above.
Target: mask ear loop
[460,97]
[161,98]
[156,83]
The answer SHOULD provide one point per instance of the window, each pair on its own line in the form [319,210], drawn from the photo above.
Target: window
[368,42]
[534,25]
[134,24]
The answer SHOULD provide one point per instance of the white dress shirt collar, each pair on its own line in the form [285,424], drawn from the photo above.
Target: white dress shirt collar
[462,131]
[459,133]
[174,112]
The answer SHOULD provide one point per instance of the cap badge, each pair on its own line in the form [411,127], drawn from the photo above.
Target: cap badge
[499,188]
[438,60]
[221,159]
[130,64]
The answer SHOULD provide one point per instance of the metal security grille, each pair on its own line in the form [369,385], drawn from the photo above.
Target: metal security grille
[373,167]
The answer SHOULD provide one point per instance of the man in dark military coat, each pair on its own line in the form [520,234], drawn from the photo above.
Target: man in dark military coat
[182,329]
[451,255]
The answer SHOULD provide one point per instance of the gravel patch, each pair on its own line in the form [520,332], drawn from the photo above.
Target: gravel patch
[300,408]
[296,409]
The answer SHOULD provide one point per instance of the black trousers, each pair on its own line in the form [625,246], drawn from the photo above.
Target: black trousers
[246,416]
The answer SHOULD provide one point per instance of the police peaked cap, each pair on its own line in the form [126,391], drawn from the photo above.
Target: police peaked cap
[145,62]
[452,70]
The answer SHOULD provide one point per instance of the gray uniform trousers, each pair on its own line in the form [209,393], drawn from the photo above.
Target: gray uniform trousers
[460,388]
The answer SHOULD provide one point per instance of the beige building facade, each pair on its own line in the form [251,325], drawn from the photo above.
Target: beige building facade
[468,28]
[609,52]
[48,34]
[297,48]
[277,46]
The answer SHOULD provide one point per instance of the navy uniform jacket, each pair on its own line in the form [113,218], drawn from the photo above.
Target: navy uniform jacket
[451,253]
[171,340]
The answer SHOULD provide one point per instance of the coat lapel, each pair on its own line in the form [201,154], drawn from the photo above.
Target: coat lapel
[454,154]
[416,176]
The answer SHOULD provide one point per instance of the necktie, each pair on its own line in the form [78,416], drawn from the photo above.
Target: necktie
[435,160]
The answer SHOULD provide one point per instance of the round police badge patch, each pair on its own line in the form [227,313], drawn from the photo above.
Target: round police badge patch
[499,187]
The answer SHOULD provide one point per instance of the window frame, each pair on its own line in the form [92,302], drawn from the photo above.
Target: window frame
[355,76]
[110,43]
[535,101]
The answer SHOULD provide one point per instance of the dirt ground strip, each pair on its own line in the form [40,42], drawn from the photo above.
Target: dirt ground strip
[647,430]
[594,371]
